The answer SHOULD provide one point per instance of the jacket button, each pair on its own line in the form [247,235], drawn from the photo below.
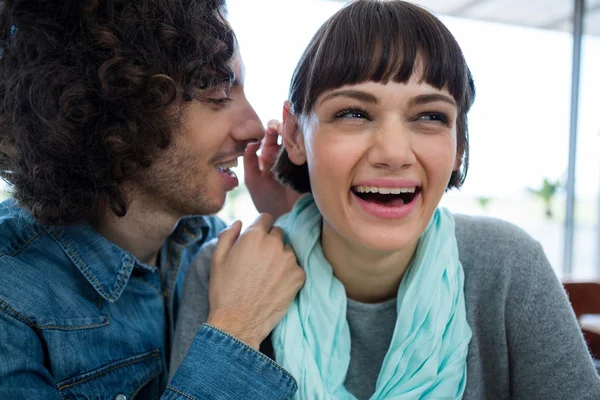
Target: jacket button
[121,397]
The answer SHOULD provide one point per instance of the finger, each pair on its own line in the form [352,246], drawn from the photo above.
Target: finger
[277,232]
[264,221]
[273,123]
[268,157]
[227,239]
[269,151]
[251,167]
[272,134]
[270,140]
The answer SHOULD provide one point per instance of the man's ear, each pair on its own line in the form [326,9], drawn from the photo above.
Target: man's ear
[293,139]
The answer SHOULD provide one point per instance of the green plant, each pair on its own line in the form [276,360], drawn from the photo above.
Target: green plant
[484,202]
[547,192]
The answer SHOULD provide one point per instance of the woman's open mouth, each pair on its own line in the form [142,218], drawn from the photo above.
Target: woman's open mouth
[386,202]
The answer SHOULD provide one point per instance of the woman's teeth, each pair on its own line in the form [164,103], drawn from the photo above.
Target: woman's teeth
[225,167]
[373,189]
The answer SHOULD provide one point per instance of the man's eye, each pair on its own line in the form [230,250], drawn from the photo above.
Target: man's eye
[219,101]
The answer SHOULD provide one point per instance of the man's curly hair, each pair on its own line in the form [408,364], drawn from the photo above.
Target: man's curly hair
[88,91]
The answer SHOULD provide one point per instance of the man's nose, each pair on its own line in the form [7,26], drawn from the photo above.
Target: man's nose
[248,127]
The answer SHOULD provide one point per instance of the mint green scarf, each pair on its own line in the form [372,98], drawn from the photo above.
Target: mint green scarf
[428,351]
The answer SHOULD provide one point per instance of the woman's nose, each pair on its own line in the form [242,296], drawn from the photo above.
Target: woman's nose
[392,147]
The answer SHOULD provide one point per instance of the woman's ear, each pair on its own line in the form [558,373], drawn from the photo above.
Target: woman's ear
[293,139]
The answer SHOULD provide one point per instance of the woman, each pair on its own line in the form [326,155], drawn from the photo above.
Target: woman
[402,300]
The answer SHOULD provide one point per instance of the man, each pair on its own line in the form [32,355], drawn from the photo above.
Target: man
[119,123]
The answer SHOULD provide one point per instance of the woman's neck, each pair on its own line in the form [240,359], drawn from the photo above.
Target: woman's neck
[368,276]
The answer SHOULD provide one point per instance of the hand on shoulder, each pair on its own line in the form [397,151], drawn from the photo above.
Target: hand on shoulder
[254,278]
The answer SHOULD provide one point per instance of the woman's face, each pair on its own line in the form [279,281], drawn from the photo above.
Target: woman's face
[379,157]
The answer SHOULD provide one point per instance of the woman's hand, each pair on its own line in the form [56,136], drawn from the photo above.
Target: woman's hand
[269,196]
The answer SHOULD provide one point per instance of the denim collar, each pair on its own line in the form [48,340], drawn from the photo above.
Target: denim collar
[105,265]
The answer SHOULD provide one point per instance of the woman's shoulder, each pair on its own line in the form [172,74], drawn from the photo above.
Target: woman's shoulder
[526,340]
[495,233]
[493,250]
[492,238]
[199,271]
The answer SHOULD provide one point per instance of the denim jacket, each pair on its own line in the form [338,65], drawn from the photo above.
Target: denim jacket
[82,318]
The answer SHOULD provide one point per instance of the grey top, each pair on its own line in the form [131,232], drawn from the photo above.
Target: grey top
[526,342]
[371,330]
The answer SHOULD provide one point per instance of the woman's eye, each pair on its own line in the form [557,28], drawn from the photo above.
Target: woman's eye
[434,117]
[352,114]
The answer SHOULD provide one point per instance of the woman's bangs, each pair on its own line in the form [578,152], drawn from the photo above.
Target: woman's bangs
[381,44]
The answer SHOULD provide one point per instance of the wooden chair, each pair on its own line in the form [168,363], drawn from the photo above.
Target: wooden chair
[585,300]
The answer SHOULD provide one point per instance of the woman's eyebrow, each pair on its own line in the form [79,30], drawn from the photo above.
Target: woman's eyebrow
[355,94]
[430,98]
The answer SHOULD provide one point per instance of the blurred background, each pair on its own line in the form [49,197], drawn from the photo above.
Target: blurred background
[535,148]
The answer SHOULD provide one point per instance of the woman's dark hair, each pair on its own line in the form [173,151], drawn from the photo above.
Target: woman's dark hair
[379,41]
[89,93]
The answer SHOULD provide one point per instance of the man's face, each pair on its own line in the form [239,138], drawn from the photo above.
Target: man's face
[192,176]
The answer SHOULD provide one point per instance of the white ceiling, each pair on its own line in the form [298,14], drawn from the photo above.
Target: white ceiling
[544,14]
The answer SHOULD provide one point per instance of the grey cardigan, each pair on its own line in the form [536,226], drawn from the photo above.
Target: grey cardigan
[526,342]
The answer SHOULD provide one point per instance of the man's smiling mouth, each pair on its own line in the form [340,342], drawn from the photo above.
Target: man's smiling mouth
[226,166]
